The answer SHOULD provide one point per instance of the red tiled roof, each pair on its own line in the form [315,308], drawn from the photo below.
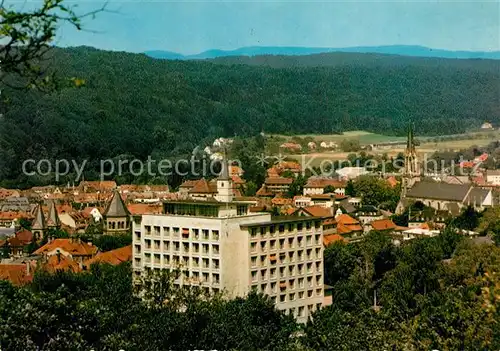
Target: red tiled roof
[289,165]
[140,209]
[383,224]
[324,182]
[15,273]
[113,257]
[263,191]
[331,238]
[61,263]
[318,211]
[72,246]
[392,181]
[202,187]
[278,180]
[24,236]
[281,201]
[104,185]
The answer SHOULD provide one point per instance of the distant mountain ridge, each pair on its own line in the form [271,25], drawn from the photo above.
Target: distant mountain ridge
[402,50]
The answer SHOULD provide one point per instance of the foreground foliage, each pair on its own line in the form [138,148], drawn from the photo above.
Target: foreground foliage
[425,301]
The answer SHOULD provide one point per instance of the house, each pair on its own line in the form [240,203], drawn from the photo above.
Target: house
[264,192]
[288,166]
[311,145]
[113,257]
[17,244]
[278,185]
[493,176]
[99,186]
[302,201]
[317,185]
[367,214]
[291,146]
[329,239]
[236,171]
[59,262]
[16,274]
[348,227]
[74,249]
[328,145]
[348,173]
[487,126]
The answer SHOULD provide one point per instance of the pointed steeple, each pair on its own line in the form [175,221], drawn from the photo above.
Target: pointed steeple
[39,221]
[116,207]
[410,144]
[53,220]
[224,171]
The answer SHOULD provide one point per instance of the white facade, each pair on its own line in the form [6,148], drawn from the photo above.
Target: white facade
[493,177]
[235,251]
[351,172]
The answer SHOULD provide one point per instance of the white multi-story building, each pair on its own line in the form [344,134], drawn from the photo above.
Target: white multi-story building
[221,246]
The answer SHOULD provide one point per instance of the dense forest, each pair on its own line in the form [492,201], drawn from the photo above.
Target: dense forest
[130,104]
[437,293]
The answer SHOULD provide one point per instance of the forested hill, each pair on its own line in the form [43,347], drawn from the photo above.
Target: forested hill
[133,104]
[368,60]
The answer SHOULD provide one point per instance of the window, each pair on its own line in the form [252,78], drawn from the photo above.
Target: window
[254,261]
[290,227]
[205,262]
[273,273]
[263,274]
[254,276]
[253,247]
[292,297]
[204,249]
[177,246]
[282,244]
[272,244]
[196,234]
[301,283]
[166,245]
[253,232]
[196,247]
[148,243]
[166,259]
[185,247]
[215,264]
[166,231]
[301,295]
[205,234]
[138,236]
[301,311]
[176,232]
[282,298]
[273,287]
[299,226]
[308,225]
[157,259]
[282,228]
[156,229]
[215,249]
[215,279]
[241,210]
[263,260]
[215,235]
[290,243]
[196,262]
[147,229]
[263,245]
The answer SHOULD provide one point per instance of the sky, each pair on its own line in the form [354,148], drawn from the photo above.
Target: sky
[190,27]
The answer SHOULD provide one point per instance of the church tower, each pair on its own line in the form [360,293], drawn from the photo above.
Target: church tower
[411,170]
[224,183]
[39,226]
